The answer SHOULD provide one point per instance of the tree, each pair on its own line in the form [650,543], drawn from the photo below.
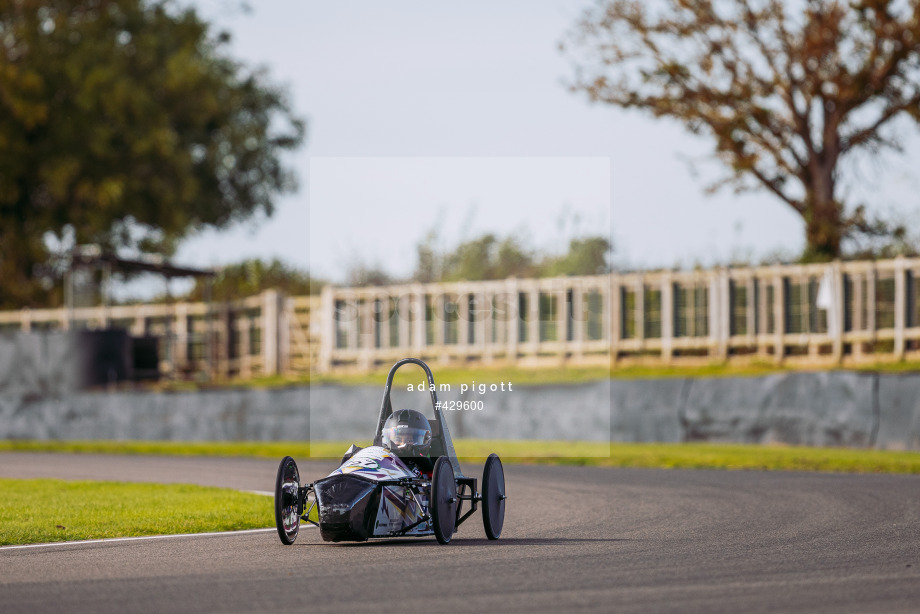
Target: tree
[250,277]
[124,123]
[360,275]
[491,257]
[787,94]
[488,257]
[586,256]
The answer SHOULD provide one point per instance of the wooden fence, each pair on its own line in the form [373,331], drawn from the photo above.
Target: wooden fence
[260,335]
[839,313]
[819,314]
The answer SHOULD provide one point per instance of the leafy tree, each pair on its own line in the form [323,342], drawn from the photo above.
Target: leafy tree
[586,256]
[488,257]
[786,92]
[493,257]
[365,275]
[428,269]
[252,277]
[513,259]
[125,123]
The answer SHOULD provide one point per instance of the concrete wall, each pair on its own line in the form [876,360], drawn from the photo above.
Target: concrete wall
[37,365]
[39,400]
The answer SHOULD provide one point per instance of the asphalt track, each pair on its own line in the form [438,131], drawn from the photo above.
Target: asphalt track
[588,539]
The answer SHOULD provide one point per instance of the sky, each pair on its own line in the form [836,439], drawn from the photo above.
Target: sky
[455,118]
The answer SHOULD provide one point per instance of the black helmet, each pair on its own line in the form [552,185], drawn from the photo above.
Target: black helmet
[407,433]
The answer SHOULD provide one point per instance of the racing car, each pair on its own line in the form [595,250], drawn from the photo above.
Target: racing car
[407,484]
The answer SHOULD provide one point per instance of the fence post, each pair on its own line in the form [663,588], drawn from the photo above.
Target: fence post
[839,311]
[640,311]
[725,313]
[779,317]
[562,320]
[871,300]
[667,317]
[512,319]
[419,313]
[403,323]
[367,332]
[271,315]
[857,279]
[533,318]
[180,350]
[327,328]
[244,325]
[579,318]
[484,323]
[285,320]
[713,315]
[222,337]
[615,320]
[463,320]
[900,307]
[439,319]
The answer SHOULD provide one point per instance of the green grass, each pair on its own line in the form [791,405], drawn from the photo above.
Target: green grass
[442,375]
[600,454]
[39,511]
[539,375]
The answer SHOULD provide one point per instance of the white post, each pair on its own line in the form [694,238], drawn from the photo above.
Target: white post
[270,321]
[614,318]
[725,309]
[327,328]
[285,317]
[463,320]
[562,320]
[859,319]
[533,309]
[180,349]
[366,336]
[512,320]
[667,318]
[779,319]
[482,326]
[403,323]
[579,319]
[900,307]
[418,313]
[750,311]
[839,312]
[440,321]
[871,301]
[639,315]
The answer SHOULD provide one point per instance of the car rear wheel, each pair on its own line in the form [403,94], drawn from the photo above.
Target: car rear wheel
[287,501]
[443,500]
[493,497]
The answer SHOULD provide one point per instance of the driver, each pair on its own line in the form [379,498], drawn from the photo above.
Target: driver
[407,434]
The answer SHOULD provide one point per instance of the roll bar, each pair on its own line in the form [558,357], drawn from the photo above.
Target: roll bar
[386,408]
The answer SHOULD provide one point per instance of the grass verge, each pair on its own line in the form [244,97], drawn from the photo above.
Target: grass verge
[649,455]
[542,375]
[41,511]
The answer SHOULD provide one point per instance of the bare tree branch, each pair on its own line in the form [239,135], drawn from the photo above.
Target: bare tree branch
[784,93]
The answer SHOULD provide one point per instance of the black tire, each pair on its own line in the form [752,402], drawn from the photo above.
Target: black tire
[442,502]
[287,503]
[493,497]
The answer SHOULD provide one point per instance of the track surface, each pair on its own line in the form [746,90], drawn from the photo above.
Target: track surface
[575,539]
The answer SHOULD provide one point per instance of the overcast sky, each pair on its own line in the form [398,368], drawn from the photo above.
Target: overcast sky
[454,116]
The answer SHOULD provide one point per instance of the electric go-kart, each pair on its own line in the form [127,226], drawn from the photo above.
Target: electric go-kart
[380,492]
